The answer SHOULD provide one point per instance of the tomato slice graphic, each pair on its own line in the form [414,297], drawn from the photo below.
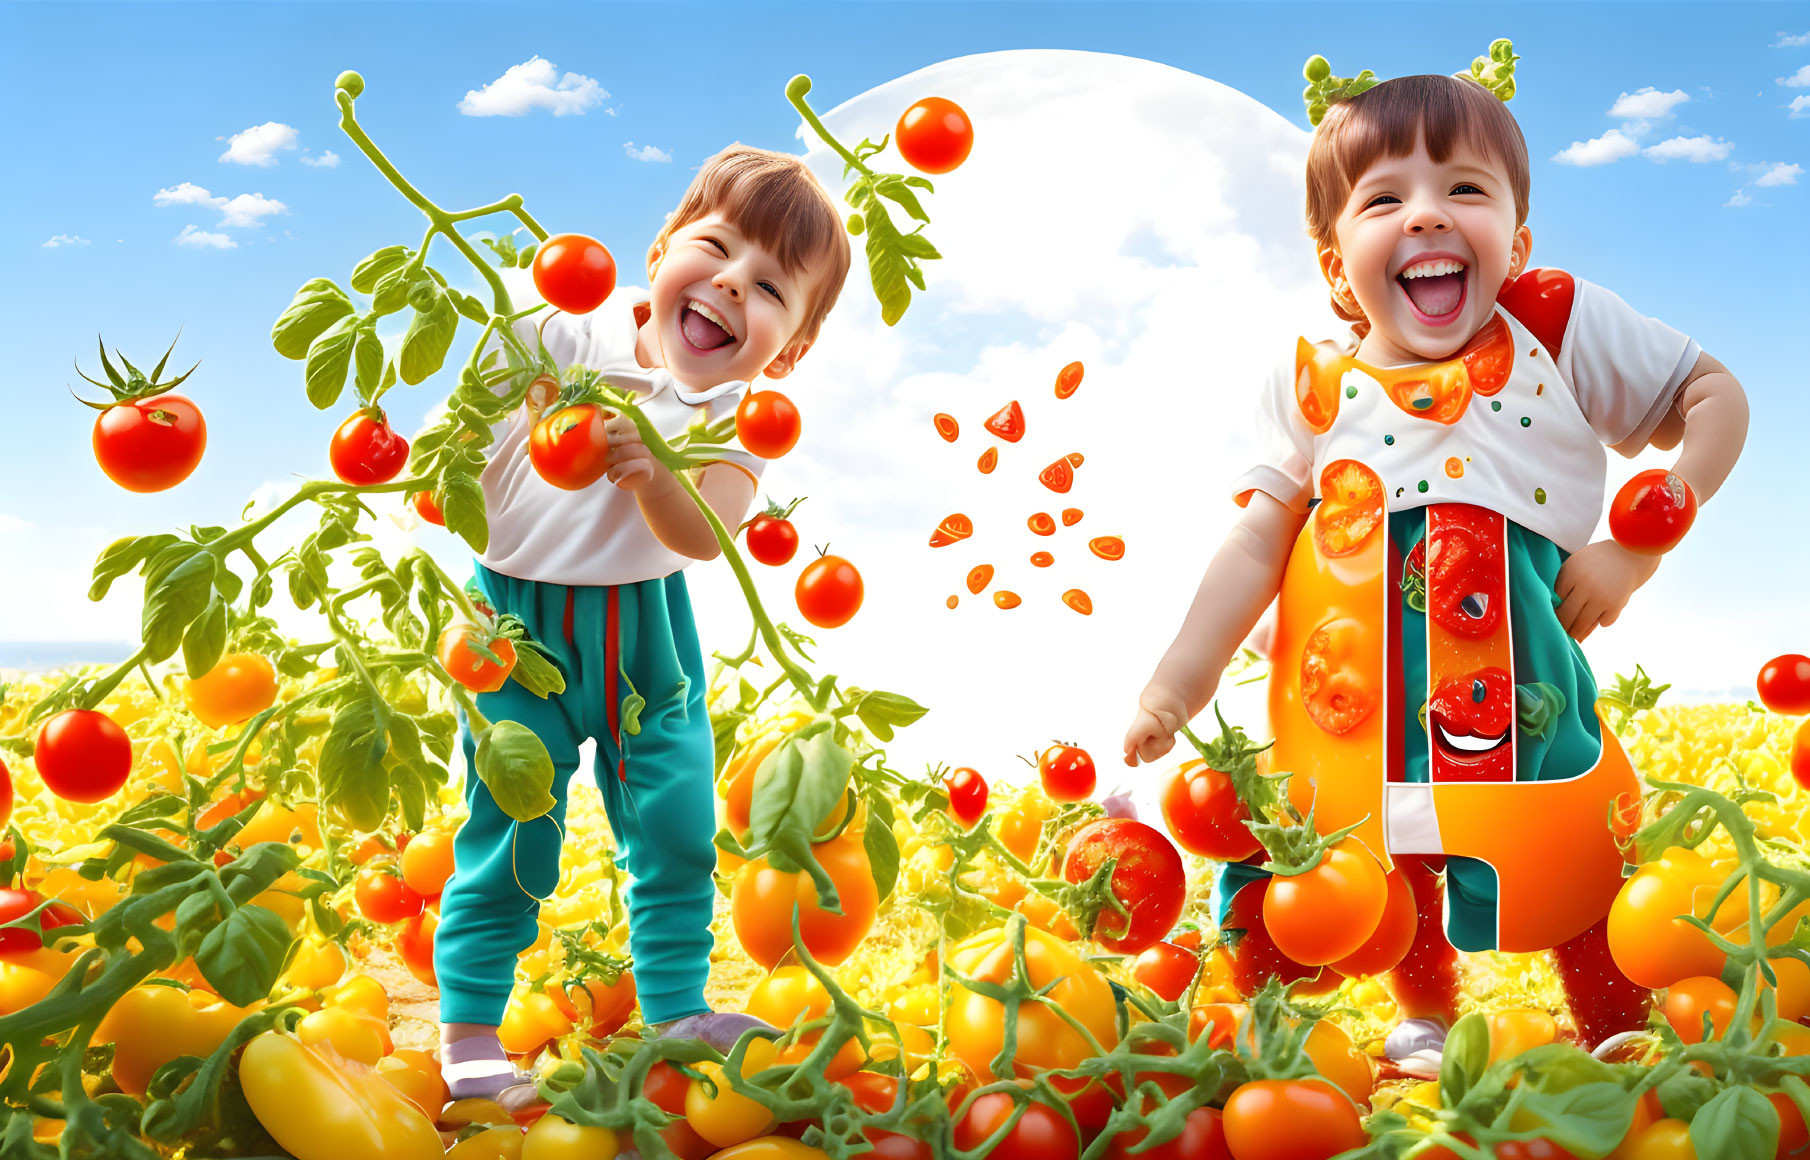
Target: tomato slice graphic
[1078,600]
[1334,688]
[1490,357]
[979,577]
[1042,524]
[989,459]
[1471,719]
[1466,578]
[1071,517]
[947,427]
[1006,599]
[1107,547]
[1042,559]
[1008,422]
[1075,458]
[1058,476]
[953,528]
[1350,509]
[1068,380]
[952,601]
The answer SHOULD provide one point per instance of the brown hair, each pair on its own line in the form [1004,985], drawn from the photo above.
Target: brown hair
[778,204]
[1385,121]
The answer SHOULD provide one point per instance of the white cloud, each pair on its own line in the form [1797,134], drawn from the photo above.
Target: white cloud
[193,235]
[532,85]
[1787,40]
[1611,146]
[247,210]
[258,145]
[1779,173]
[1695,149]
[327,160]
[1798,79]
[645,152]
[1800,107]
[1737,199]
[64,240]
[13,523]
[1647,103]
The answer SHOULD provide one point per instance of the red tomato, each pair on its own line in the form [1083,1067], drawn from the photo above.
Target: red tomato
[666,1086]
[1008,422]
[767,424]
[1058,476]
[415,946]
[772,539]
[1785,684]
[1203,1137]
[1148,880]
[875,1094]
[1040,1134]
[1328,912]
[150,444]
[829,592]
[1205,816]
[1166,969]
[574,273]
[935,135]
[1394,934]
[967,796]
[454,652]
[83,755]
[1291,1119]
[1800,755]
[6,797]
[1652,511]
[946,426]
[1538,1148]
[1067,773]
[427,509]
[19,903]
[1068,380]
[366,451]
[568,447]
[385,898]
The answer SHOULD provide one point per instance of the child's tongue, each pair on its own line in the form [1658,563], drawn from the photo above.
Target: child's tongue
[701,332]
[1437,295]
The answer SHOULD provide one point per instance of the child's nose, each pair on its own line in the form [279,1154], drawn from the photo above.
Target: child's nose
[1427,216]
[729,284]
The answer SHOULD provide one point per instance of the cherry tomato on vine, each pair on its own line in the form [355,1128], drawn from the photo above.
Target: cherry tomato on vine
[1394,935]
[1203,1137]
[1652,511]
[1040,1134]
[771,537]
[148,445]
[367,451]
[1148,880]
[427,509]
[935,135]
[1291,1119]
[967,796]
[1205,815]
[1067,773]
[829,592]
[767,424]
[568,447]
[16,904]
[761,902]
[574,273]
[385,898]
[456,654]
[1166,969]
[1688,1001]
[1784,684]
[1329,912]
[237,688]
[83,755]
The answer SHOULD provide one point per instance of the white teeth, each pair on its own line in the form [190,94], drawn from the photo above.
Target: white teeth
[1432,269]
[694,304]
[1467,743]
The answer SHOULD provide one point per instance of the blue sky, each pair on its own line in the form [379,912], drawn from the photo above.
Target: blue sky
[157,93]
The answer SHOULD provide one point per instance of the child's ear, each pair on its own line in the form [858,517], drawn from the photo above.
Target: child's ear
[1333,267]
[1519,251]
[785,360]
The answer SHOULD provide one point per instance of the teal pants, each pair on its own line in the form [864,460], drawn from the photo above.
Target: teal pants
[1544,651]
[656,786]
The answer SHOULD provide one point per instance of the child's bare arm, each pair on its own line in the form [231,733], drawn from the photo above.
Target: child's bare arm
[1239,584]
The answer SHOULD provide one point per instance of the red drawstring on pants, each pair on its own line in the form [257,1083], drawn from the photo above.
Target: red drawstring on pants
[612,652]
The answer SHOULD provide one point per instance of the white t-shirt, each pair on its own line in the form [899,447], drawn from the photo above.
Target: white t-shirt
[596,535]
[1533,451]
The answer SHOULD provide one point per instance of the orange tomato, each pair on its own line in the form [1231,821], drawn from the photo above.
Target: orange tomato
[762,900]
[237,688]
[428,862]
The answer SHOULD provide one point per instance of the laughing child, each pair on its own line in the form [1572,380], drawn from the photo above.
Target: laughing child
[742,276]
[1463,418]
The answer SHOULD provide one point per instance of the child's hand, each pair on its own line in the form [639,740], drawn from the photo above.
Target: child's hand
[1160,715]
[1594,585]
[632,467]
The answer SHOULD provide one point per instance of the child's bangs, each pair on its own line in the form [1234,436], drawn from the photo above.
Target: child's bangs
[780,209]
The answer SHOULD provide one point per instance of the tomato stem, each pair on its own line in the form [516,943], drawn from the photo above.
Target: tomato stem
[796,95]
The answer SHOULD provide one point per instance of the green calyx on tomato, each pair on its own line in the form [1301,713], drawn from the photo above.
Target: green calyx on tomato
[770,536]
[145,439]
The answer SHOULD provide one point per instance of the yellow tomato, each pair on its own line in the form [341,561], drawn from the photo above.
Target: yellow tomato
[552,1138]
[491,1144]
[770,1148]
[352,1034]
[427,862]
[91,897]
[531,1019]
[1334,1057]
[27,976]
[1666,1139]
[316,964]
[416,1074]
[791,994]
[975,1024]
[1515,1031]
[361,993]
[319,1110]
[152,1025]
[729,1117]
[237,688]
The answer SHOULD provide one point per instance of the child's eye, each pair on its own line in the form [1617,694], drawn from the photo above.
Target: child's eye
[1380,199]
[717,244]
[769,288]
[1466,187]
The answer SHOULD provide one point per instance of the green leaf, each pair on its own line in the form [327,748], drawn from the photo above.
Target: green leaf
[257,869]
[315,307]
[536,673]
[462,503]
[369,357]
[1588,1120]
[516,767]
[795,788]
[1465,1057]
[120,557]
[329,360]
[243,955]
[469,306]
[144,842]
[392,292]
[176,601]
[1684,1094]
[1738,1124]
[428,339]
[880,711]
[352,776]
[882,853]
[893,188]
[205,639]
[526,258]
[369,272]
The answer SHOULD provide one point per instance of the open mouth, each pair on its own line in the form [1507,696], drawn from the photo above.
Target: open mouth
[1464,746]
[1435,289]
[702,328]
